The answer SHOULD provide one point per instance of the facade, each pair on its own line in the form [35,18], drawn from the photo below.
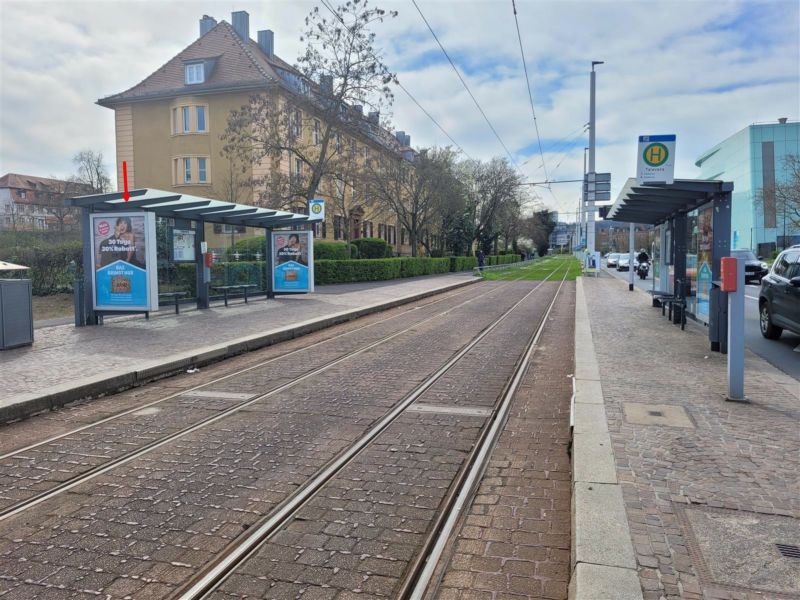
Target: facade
[30,203]
[169,127]
[561,236]
[754,160]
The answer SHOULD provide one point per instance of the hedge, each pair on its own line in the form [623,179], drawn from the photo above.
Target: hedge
[346,271]
[496,259]
[462,263]
[52,268]
[331,251]
[413,267]
[372,248]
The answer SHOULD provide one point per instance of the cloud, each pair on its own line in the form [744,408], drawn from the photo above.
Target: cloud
[702,70]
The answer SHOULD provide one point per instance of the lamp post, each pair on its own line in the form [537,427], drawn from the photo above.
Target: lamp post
[590,209]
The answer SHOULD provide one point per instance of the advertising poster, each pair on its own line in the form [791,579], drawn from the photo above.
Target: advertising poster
[292,261]
[183,245]
[124,261]
[705,244]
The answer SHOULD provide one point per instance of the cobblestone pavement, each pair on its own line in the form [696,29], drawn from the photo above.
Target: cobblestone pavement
[26,474]
[65,353]
[514,541]
[143,528]
[356,538]
[710,486]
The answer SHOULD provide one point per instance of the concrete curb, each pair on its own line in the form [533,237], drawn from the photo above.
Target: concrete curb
[602,557]
[26,405]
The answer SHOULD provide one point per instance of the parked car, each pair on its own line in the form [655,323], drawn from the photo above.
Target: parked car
[612,259]
[754,268]
[779,298]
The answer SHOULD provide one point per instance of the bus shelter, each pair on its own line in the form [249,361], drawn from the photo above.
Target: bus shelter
[693,223]
[119,248]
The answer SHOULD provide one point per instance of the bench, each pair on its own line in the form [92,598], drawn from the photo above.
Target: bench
[173,296]
[237,287]
[668,301]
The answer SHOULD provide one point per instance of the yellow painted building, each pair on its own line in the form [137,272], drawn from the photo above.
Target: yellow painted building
[168,128]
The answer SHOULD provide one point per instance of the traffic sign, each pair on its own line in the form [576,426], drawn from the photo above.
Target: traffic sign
[598,177]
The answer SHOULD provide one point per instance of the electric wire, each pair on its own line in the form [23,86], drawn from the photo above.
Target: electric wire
[464,83]
[409,94]
[530,91]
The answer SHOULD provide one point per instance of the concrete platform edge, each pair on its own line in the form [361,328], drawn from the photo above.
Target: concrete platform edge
[26,405]
[603,561]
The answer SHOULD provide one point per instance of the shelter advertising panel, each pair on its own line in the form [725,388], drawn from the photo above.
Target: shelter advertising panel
[292,261]
[183,245]
[124,261]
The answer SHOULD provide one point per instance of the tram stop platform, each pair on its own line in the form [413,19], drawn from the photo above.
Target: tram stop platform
[677,493]
[67,363]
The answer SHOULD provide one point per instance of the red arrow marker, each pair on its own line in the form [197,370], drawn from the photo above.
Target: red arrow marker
[125,194]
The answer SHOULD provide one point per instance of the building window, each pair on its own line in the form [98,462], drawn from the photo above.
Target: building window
[188,170]
[404,236]
[381,230]
[201,170]
[186,119]
[338,142]
[392,236]
[320,230]
[22,194]
[338,227]
[316,137]
[297,122]
[201,118]
[194,73]
[298,171]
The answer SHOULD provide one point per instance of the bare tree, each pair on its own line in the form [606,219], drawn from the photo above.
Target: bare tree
[311,117]
[416,192]
[53,203]
[90,171]
[492,188]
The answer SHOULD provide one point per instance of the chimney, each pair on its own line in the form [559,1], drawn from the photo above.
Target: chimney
[326,84]
[207,24]
[374,117]
[241,24]
[782,120]
[266,41]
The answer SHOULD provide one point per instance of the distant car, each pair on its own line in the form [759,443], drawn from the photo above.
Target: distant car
[779,298]
[624,263]
[754,269]
[612,259]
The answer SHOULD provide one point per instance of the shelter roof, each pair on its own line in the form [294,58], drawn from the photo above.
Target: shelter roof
[655,203]
[184,206]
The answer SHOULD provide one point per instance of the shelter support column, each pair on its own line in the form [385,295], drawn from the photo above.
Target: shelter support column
[680,284]
[631,251]
[268,265]
[200,280]
[89,316]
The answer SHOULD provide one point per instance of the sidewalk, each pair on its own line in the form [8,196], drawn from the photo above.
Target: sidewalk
[67,363]
[710,490]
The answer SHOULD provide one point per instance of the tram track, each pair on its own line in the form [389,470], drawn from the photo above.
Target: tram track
[87,475]
[418,576]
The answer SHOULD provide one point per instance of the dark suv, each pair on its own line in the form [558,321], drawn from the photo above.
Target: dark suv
[779,299]
[754,269]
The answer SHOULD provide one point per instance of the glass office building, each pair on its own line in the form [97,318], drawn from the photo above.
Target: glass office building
[754,159]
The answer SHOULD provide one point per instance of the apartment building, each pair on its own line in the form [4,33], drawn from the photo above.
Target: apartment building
[32,203]
[169,127]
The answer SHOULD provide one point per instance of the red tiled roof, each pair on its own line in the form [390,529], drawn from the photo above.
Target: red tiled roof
[29,182]
[237,65]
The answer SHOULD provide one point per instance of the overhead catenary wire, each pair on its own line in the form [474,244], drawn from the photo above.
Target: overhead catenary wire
[530,91]
[464,83]
[409,94]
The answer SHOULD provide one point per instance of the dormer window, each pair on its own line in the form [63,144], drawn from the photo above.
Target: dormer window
[194,73]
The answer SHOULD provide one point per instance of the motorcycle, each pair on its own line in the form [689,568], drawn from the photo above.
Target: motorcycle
[643,269]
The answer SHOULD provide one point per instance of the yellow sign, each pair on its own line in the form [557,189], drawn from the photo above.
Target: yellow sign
[656,154]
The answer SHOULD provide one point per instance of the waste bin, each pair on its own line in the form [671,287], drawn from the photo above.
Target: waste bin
[16,308]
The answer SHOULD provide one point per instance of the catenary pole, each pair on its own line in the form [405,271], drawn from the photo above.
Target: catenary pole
[592,132]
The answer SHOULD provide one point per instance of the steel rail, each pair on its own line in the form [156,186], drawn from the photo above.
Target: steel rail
[240,550]
[107,466]
[419,577]
[125,413]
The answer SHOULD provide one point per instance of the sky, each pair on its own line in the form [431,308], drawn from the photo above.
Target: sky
[700,69]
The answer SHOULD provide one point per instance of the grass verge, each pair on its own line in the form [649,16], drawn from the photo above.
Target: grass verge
[538,269]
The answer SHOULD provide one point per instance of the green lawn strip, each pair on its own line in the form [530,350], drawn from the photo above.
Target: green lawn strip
[537,270]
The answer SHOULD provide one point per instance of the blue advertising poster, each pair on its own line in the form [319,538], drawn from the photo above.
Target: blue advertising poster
[292,260]
[703,292]
[122,260]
